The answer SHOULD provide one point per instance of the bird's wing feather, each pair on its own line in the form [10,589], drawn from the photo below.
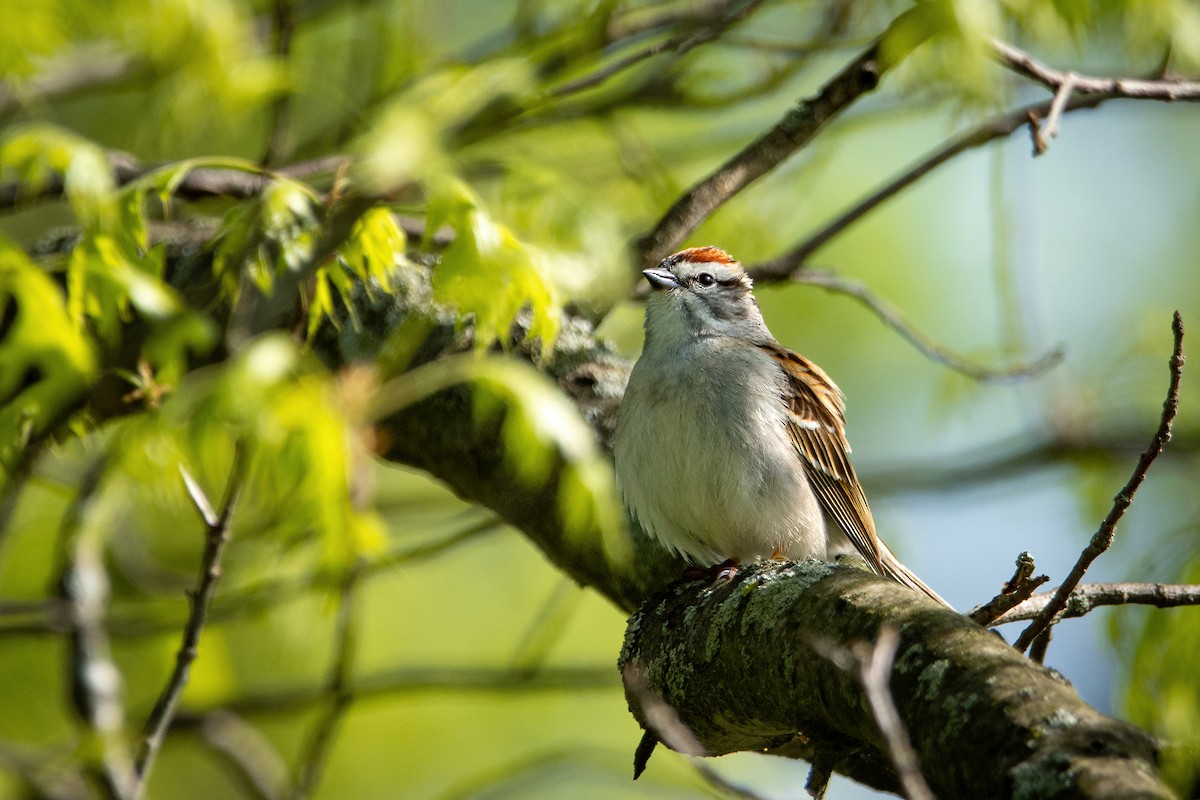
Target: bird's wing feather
[817,428]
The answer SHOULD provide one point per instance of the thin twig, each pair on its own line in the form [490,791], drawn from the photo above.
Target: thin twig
[198,183]
[876,672]
[819,775]
[216,536]
[872,665]
[1103,537]
[1041,643]
[96,684]
[782,267]
[414,680]
[1022,63]
[253,760]
[51,615]
[723,785]
[892,317]
[1050,129]
[1019,588]
[315,755]
[681,43]
[1090,596]
[661,722]
[283,24]
[793,131]
[70,76]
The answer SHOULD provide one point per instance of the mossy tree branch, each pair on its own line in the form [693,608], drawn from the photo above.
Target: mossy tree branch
[744,666]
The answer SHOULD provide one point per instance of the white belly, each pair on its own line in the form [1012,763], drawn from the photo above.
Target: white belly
[697,485]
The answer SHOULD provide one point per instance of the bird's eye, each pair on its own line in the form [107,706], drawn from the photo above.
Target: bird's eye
[705,279]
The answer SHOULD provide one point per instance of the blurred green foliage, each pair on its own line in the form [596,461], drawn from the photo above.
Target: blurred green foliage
[523,145]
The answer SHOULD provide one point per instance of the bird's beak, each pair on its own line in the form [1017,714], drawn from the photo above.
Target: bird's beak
[660,279]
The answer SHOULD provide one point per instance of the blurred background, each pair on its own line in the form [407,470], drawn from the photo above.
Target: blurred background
[478,669]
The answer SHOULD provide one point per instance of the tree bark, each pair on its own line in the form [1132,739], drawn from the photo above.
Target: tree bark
[745,665]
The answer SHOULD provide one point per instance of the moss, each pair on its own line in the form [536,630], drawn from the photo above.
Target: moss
[1043,778]
[929,681]
[957,708]
[632,630]
[1059,719]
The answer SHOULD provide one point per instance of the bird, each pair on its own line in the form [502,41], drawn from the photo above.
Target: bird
[730,448]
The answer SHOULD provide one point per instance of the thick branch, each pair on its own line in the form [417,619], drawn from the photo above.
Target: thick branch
[741,666]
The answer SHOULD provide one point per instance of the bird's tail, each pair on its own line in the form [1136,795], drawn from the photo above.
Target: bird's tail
[893,569]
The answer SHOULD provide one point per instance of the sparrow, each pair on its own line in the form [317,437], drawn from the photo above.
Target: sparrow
[729,446]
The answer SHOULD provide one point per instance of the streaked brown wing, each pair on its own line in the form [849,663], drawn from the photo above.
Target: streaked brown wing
[818,429]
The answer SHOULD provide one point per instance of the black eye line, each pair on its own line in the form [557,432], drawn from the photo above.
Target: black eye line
[723,282]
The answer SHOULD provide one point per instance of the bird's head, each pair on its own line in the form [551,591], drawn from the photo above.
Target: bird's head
[701,292]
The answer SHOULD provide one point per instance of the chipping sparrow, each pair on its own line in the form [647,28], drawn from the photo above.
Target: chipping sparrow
[728,445]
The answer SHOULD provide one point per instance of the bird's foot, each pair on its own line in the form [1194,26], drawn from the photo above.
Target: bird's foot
[717,573]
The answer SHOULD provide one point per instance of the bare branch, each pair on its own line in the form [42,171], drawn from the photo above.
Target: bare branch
[1103,537]
[215,538]
[96,684]
[1022,63]
[283,26]
[680,44]
[255,763]
[70,76]
[783,267]
[1019,588]
[50,616]
[1091,596]
[414,680]
[793,131]
[1043,134]
[892,317]
[753,677]
[197,183]
[312,760]
[872,665]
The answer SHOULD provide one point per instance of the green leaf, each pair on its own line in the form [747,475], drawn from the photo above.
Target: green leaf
[172,341]
[372,251]
[106,275]
[261,238]
[33,155]
[375,246]
[411,140]
[946,43]
[46,363]
[282,407]
[487,273]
